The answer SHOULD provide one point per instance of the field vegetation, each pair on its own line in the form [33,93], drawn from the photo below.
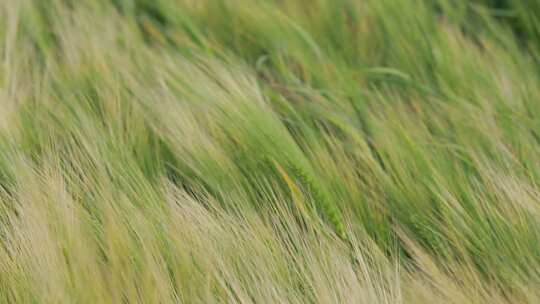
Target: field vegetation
[269,151]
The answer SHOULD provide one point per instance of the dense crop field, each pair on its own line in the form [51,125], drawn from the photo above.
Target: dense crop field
[269,151]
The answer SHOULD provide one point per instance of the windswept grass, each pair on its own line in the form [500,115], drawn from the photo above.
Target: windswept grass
[239,151]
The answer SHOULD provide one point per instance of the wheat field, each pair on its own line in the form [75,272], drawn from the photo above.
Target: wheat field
[270,151]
